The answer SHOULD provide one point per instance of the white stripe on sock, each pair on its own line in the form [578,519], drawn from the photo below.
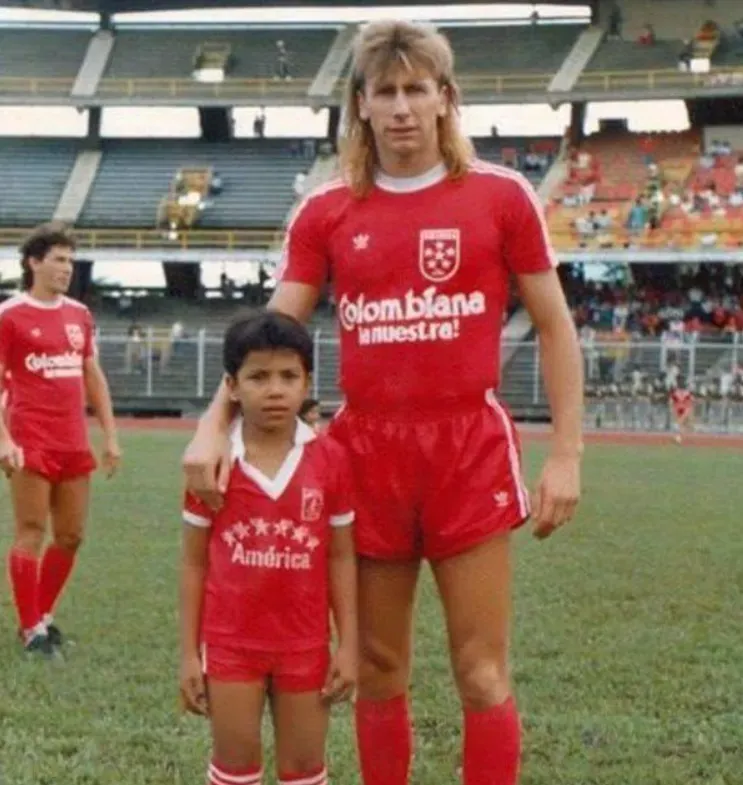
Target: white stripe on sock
[219,777]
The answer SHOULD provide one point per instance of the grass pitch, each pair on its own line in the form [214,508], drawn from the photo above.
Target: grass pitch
[627,653]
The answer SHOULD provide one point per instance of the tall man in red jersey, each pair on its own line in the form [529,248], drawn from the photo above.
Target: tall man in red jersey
[48,358]
[420,240]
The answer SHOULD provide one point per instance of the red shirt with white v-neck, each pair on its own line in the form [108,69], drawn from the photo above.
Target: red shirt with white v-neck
[267,585]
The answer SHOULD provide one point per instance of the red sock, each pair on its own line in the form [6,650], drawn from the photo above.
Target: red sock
[492,745]
[229,775]
[317,777]
[23,573]
[56,567]
[384,735]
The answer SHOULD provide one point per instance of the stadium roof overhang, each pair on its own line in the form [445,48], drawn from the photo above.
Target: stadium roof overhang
[122,6]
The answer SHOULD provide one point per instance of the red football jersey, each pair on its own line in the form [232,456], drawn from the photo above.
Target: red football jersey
[420,270]
[43,347]
[267,586]
[682,398]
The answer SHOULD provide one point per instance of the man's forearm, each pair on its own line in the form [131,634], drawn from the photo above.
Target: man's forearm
[100,400]
[562,368]
[221,411]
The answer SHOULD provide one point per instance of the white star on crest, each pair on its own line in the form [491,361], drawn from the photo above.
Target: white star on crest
[283,528]
[261,526]
[300,534]
[312,543]
[229,538]
[241,530]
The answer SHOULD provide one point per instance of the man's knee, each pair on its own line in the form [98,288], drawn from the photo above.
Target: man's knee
[481,674]
[29,535]
[384,671]
[69,541]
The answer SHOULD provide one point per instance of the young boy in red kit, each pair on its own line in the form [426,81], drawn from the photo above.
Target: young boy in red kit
[260,575]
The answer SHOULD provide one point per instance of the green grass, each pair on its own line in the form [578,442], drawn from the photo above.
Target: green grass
[628,650]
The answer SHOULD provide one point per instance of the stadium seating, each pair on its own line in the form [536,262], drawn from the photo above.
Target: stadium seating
[170,54]
[620,175]
[135,175]
[42,54]
[511,151]
[34,174]
[619,55]
[493,49]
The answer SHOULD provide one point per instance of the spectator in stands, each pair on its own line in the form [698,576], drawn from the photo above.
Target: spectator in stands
[615,21]
[686,55]
[282,62]
[585,226]
[721,149]
[216,185]
[603,220]
[299,184]
[133,357]
[739,173]
[647,36]
[637,219]
[534,162]
[259,124]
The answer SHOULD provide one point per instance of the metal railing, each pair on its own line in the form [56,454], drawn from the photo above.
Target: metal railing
[516,83]
[190,368]
[260,239]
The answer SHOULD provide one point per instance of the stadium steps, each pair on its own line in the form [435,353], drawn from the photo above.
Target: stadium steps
[78,186]
[580,55]
[94,64]
[34,175]
[333,67]
[518,382]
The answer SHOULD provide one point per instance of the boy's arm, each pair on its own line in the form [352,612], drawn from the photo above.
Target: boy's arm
[194,563]
[343,591]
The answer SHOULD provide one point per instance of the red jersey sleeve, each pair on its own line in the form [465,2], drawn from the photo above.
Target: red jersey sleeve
[527,246]
[6,340]
[341,503]
[305,253]
[195,512]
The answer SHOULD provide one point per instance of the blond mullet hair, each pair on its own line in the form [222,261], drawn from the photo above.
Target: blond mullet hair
[378,47]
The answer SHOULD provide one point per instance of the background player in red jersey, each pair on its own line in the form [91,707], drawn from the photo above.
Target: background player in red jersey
[682,406]
[420,241]
[48,358]
[259,577]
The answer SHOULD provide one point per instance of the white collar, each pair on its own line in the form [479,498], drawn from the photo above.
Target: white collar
[403,185]
[273,488]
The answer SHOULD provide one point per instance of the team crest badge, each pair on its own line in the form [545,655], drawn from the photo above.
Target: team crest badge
[439,254]
[312,504]
[75,336]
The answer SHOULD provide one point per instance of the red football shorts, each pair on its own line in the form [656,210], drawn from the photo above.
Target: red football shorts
[58,466]
[682,410]
[300,671]
[433,485]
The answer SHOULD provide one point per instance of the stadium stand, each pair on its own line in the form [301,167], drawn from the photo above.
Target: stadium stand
[491,49]
[620,55]
[34,174]
[253,54]
[135,175]
[40,53]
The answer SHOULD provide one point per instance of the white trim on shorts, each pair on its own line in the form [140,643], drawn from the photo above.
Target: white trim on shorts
[514,462]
